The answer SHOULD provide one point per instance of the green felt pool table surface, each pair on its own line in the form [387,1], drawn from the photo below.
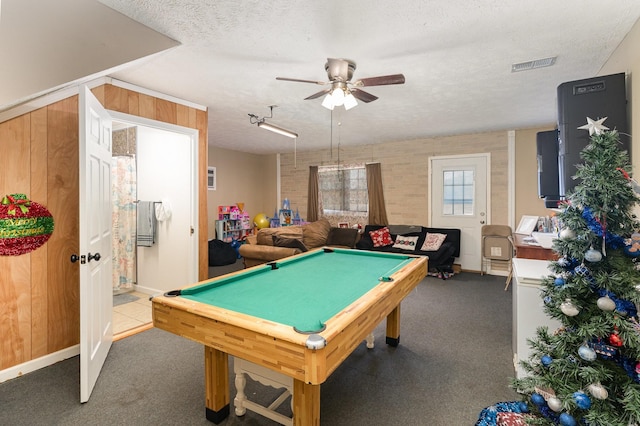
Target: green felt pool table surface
[303,291]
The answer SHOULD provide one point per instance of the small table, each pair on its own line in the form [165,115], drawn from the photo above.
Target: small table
[301,316]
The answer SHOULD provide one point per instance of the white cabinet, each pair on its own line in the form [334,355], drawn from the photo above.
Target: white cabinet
[528,307]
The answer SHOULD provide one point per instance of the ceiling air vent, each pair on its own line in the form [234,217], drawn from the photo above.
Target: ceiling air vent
[530,65]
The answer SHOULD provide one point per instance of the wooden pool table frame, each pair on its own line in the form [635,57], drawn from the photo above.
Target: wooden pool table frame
[277,346]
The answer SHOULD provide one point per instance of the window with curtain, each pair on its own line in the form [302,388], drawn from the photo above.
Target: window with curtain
[343,190]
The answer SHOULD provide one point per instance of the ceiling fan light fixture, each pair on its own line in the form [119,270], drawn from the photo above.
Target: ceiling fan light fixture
[327,102]
[338,96]
[276,129]
[350,102]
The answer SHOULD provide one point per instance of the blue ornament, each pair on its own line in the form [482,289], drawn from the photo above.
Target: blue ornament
[567,420]
[546,360]
[581,270]
[524,408]
[559,281]
[582,400]
[538,399]
[547,300]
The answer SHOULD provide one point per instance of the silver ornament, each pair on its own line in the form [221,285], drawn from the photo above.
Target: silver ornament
[567,234]
[592,256]
[598,391]
[569,309]
[554,403]
[587,353]
[606,304]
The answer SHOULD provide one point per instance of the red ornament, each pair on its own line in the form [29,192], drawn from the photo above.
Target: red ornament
[615,340]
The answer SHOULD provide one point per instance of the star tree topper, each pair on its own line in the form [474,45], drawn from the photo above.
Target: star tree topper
[594,126]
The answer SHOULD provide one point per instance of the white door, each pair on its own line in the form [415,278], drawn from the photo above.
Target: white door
[459,200]
[96,294]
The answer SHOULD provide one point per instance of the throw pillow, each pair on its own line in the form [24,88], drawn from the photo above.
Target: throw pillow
[381,237]
[315,233]
[405,243]
[433,241]
[265,235]
[280,241]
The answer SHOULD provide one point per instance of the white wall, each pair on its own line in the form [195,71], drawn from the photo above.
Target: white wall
[164,161]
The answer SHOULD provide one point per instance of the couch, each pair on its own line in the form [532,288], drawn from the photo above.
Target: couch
[442,244]
[270,244]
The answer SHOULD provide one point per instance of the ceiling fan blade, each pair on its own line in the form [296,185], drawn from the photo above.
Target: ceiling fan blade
[380,81]
[301,81]
[317,95]
[363,96]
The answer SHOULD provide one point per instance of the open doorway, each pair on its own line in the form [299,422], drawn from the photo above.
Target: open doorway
[154,196]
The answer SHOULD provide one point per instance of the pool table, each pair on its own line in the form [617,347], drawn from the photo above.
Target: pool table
[300,316]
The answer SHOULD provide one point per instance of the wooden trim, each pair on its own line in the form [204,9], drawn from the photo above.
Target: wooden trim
[132,331]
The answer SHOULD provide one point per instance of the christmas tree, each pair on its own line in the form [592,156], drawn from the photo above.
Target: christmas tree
[587,372]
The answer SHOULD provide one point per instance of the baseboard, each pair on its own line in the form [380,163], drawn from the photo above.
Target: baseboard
[147,290]
[38,363]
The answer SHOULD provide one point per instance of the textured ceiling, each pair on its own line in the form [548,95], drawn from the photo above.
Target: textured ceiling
[456,56]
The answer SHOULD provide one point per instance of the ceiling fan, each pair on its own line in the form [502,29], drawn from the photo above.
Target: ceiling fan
[343,91]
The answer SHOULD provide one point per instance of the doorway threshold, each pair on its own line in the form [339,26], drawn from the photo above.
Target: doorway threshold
[132,331]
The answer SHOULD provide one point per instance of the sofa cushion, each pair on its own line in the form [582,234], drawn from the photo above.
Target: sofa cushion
[343,237]
[281,241]
[265,235]
[315,234]
[405,242]
[433,241]
[381,237]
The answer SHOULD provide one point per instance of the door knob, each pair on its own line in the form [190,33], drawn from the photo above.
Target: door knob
[74,258]
[95,257]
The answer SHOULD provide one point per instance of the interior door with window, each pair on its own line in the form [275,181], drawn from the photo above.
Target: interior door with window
[459,187]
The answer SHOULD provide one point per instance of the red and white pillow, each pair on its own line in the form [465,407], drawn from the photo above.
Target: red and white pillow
[381,237]
[433,241]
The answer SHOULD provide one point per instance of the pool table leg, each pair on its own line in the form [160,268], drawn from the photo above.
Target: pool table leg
[306,404]
[216,371]
[393,327]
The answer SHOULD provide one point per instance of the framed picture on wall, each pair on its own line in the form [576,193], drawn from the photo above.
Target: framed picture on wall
[211,178]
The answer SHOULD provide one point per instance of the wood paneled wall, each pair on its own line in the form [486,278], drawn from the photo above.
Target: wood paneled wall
[39,291]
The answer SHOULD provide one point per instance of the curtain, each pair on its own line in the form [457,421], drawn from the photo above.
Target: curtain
[377,209]
[312,197]
[124,222]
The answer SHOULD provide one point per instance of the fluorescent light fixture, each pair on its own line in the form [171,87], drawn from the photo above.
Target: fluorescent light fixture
[277,129]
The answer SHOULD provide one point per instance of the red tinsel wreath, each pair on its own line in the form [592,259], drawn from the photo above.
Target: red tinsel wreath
[24,225]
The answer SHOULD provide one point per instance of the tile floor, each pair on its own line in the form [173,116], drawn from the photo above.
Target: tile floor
[133,314]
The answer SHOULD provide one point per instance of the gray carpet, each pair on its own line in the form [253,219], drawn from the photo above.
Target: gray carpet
[453,360]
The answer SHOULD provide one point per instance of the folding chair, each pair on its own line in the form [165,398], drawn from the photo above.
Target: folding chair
[497,246]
